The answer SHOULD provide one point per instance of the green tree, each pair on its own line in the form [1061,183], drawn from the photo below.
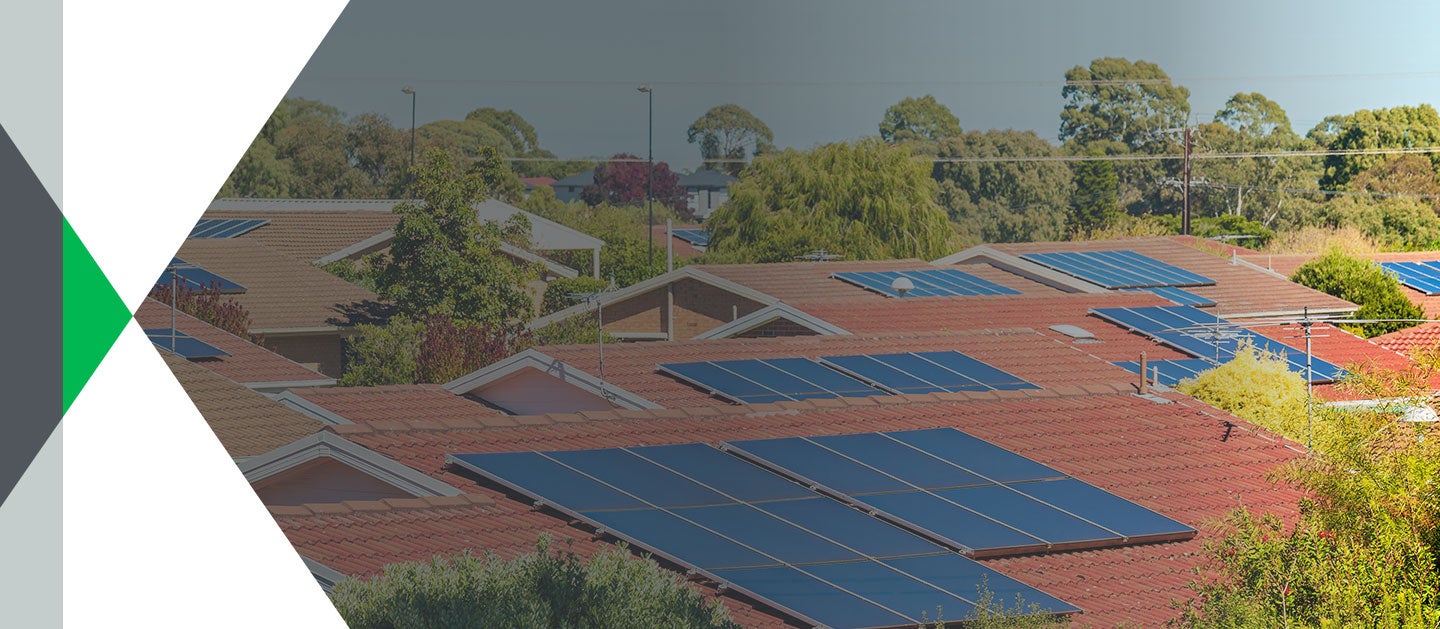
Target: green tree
[867,200]
[1003,201]
[921,118]
[381,155]
[726,133]
[1117,100]
[1396,127]
[548,588]
[383,354]
[1257,117]
[1363,283]
[1096,190]
[1393,223]
[443,259]
[1403,176]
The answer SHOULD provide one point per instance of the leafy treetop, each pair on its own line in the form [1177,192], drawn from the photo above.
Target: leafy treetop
[725,132]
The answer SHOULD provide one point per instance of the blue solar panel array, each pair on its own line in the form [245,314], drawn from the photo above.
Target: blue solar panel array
[1118,269]
[1421,276]
[183,344]
[225,227]
[697,237]
[928,283]
[927,372]
[769,538]
[1169,372]
[962,491]
[195,278]
[770,380]
[1178,296]
[1210,337]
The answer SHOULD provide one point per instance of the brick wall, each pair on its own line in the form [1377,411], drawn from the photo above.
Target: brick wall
[699,307]
[321,352]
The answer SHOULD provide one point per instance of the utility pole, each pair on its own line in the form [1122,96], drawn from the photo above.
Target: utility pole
[1185,189]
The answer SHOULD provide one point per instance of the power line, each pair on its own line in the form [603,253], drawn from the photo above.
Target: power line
[1418,150]
[1361,193]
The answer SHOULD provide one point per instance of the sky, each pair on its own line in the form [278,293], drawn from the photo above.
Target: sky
[819,71]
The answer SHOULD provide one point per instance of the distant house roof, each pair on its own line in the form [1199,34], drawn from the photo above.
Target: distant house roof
[537,182]
[577,180]
[247,423]
[705,178]
[1241,289]
[812,281]
[401,402]
[283,294]
[1183,459]
[1287,264]
[247,363]
[630,368]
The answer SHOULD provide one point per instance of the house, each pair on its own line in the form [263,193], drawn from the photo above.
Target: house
[302,312]
[321,231]
[238,359]
[707,190]
[1182,459]
[569,188]
[246,422]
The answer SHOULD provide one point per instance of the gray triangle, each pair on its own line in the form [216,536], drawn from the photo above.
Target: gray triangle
[30,374]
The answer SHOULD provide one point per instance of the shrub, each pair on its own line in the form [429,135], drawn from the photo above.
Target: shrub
[1364,284]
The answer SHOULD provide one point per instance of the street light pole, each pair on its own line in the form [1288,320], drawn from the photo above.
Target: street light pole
[650,172]
[411,91]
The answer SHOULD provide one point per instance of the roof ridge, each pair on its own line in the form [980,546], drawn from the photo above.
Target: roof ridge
[820,406]
[377,506]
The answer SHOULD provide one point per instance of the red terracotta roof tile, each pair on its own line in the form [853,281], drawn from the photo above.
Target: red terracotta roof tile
[282,292]
[310,235]
[812,281]
[246,423]
[247,362]
[1184,459]
[399,403]
[1037,358]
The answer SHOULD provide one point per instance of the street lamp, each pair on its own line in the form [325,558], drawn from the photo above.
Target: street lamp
[411,91]
[650,169]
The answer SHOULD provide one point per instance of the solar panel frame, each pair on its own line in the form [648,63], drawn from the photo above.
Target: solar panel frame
[183,344]
[225,227]
[759,381]
[926,372]
[1170,371]
[194,277]
[927,282]
[939,514]
[697,237]
[734,575]
[1210,337]
[1419,275]
[1118,269]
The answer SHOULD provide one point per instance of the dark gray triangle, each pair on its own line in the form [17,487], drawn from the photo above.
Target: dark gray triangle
[30,369]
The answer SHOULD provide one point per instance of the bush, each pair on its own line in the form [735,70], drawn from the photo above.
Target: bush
[383,354]
[1258,387]
[1364,284]
[548,588]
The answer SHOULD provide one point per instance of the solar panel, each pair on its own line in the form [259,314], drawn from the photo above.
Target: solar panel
[928,283]
[1169,372]
[769,380]
[193,277]
[962,491]
[697,237]
[1178,296]
[1210,337]
[926,372]
[1118,269]
[1421,276]
[183,344]
[805,554]
[225,227]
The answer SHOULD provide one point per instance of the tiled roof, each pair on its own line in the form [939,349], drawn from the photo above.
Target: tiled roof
[247,363]
[1287,264]
[1038,312]
[399,402]
[811,281]
[247,423]
[1238,289]
[1423,336]
[309,236]
[359,538]
[1341,348]
[283,293]
[1183,459]
[1025,353]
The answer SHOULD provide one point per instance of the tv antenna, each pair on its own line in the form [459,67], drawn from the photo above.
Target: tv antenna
[598,298]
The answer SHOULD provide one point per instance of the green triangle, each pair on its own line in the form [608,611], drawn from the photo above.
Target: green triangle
[93,315]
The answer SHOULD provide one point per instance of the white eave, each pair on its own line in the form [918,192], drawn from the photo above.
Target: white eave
[682,273]
[328,445]
[539,361]
[771,313]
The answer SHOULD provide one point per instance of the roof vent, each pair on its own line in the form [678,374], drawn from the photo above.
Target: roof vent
[1081,335]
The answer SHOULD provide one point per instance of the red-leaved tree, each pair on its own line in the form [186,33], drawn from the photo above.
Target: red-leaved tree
[449,349]
[621,181]
[209,305]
